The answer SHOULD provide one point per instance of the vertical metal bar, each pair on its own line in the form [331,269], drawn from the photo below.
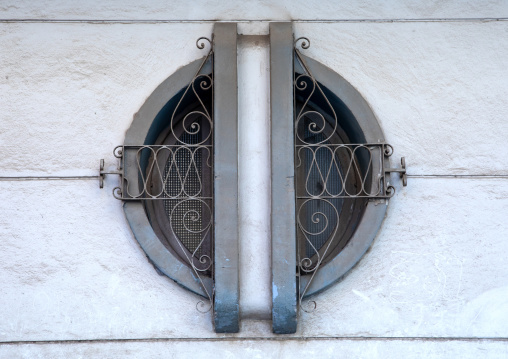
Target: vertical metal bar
[226,308]
[284,309]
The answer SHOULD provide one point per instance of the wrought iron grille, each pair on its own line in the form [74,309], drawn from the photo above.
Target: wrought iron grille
[164,171]
[179,177]
[174,177]
[333,178]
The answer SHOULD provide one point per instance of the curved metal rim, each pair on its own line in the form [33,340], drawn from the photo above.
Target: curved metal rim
[136,215]
[375,211]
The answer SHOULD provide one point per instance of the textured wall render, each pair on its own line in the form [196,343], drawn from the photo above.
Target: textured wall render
[259,349]
[70,91]
[282,10]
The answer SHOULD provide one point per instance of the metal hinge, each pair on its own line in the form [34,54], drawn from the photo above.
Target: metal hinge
[103,173]
[401,171]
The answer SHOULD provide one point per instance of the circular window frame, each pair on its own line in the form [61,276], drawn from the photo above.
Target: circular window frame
[145,128]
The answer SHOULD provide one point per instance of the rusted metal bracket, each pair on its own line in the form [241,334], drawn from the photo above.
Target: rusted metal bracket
[401,171]
[103,173]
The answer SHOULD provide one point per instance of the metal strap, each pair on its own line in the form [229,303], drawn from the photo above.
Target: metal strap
[226,298]
[284,310]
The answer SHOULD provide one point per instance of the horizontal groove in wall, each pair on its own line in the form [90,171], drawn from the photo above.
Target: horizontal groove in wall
[232,339]
[162,21]
[48,178]
[63,178]
[457,176]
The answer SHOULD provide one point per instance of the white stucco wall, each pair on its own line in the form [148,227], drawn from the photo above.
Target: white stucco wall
[75,283]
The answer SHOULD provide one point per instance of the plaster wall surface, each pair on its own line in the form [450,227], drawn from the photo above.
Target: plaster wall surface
[73,280]
[227,10]
[259,349]
[254,176]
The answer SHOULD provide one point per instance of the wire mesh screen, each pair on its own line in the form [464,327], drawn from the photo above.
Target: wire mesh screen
[315,165]
[187,216]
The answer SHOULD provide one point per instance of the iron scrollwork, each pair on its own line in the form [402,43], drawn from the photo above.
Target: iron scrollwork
[175,172]
[328,172]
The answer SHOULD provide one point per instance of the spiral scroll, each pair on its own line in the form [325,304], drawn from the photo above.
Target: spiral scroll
[328,173]
[179,172]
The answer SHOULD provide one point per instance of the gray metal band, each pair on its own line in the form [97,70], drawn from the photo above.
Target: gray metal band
[226,299]
[284,309]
